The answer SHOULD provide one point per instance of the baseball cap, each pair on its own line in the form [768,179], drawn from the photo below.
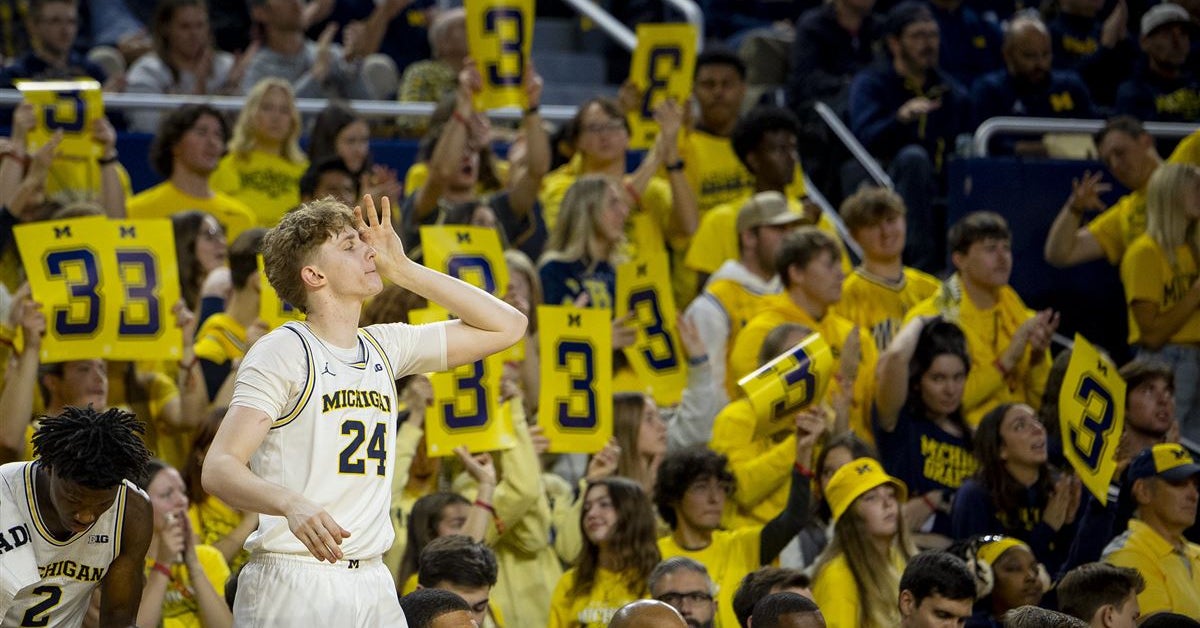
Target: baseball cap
[1169,461]
[854,479]
[1163,14]
[766,208]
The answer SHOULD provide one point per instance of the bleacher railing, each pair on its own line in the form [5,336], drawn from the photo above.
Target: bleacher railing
[857,150]
[367,108]
[1009,124]
[621,33]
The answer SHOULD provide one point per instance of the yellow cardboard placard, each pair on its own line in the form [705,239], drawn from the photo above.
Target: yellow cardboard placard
[500,37]
[1091,414]
[657,356]
[575,402]
[662,68]
[790,382]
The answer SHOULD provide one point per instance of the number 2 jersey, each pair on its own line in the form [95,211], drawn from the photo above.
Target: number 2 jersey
[56,587]
[334,431]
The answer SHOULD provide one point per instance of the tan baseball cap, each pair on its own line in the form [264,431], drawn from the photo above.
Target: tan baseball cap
[766,209]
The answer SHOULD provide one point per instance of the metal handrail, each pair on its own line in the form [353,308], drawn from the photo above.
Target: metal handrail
[815,195]
[693,15]
[857,150]
[1012,124]
[368,108]
[607,23]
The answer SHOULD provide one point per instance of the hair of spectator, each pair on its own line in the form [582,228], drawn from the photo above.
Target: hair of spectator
[758,584]
[721,56]
[1167,220]
[520,263]
[440,27]
[935,572]
[1128,125]
[200,443]
[463,213]
[160,27]
[171,131]
[869,207]
[977,227]
[800,248]
[77,209]
[186,226]
[243,140]
[1048,411]
[769,611]
[938,337]
[243,256]
[35,6]
[153,468]
[322,142]
[633,540]
[1008,495]
[312,176]
[459,560]
[1037,617]
[629,411]
[423,521]
[1140,371]
[904,14]
[1169,620]
[756,124]
[291,244]
[94,449]
[776,340]
[577,217]
[674,564]
[607,106]
[876,582]
[423,606]
[679,470]
[1087,588]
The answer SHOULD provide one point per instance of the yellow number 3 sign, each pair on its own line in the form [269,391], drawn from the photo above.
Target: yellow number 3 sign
[499,36]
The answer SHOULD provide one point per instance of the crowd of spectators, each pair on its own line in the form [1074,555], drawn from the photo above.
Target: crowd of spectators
[928,483]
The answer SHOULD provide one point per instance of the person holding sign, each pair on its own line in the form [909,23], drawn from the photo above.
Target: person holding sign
[618,555]
[690,492]
[1165,486]
[454,168]
[321,394]
[1008,343]
[809,264]
[1161,275]
[918,422]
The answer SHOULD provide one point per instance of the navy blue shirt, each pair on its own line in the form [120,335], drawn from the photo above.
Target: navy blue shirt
[31,66]
[1062,95]
[876,96]
[825,57]
[563,282]
[1150,97]
[926,457]
[1075,42]
[407,38]
[968,45]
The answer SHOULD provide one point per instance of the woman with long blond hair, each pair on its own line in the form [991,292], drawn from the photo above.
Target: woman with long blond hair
[1161,273]
[264,163]
[856,577]
[581,253]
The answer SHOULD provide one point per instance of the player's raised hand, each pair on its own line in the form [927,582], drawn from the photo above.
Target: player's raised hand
[316,529]
[375,228]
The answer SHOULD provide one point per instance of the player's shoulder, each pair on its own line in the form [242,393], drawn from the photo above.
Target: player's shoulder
[279,344]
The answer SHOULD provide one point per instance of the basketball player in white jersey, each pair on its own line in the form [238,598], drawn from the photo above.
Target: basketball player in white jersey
[314,415]
[73,522]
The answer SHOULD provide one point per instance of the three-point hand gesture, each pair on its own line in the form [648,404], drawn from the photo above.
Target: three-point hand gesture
[375,229]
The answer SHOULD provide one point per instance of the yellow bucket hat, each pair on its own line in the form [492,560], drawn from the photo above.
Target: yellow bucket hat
[856,478]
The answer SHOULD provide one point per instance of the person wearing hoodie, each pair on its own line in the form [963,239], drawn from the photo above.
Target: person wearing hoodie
[735,292]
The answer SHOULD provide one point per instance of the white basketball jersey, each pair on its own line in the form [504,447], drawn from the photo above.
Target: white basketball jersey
[336,446]
[68,570]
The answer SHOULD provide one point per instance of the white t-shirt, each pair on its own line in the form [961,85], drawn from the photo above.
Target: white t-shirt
[334,433]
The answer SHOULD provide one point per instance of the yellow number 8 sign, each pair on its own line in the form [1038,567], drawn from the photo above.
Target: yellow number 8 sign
[499,36]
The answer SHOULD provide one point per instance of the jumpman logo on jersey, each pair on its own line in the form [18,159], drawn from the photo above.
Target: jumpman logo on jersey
[327,371]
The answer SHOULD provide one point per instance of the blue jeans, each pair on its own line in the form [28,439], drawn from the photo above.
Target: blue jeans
[1184,360]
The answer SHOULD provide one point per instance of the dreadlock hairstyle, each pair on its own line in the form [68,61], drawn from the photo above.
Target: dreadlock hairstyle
[95,450]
